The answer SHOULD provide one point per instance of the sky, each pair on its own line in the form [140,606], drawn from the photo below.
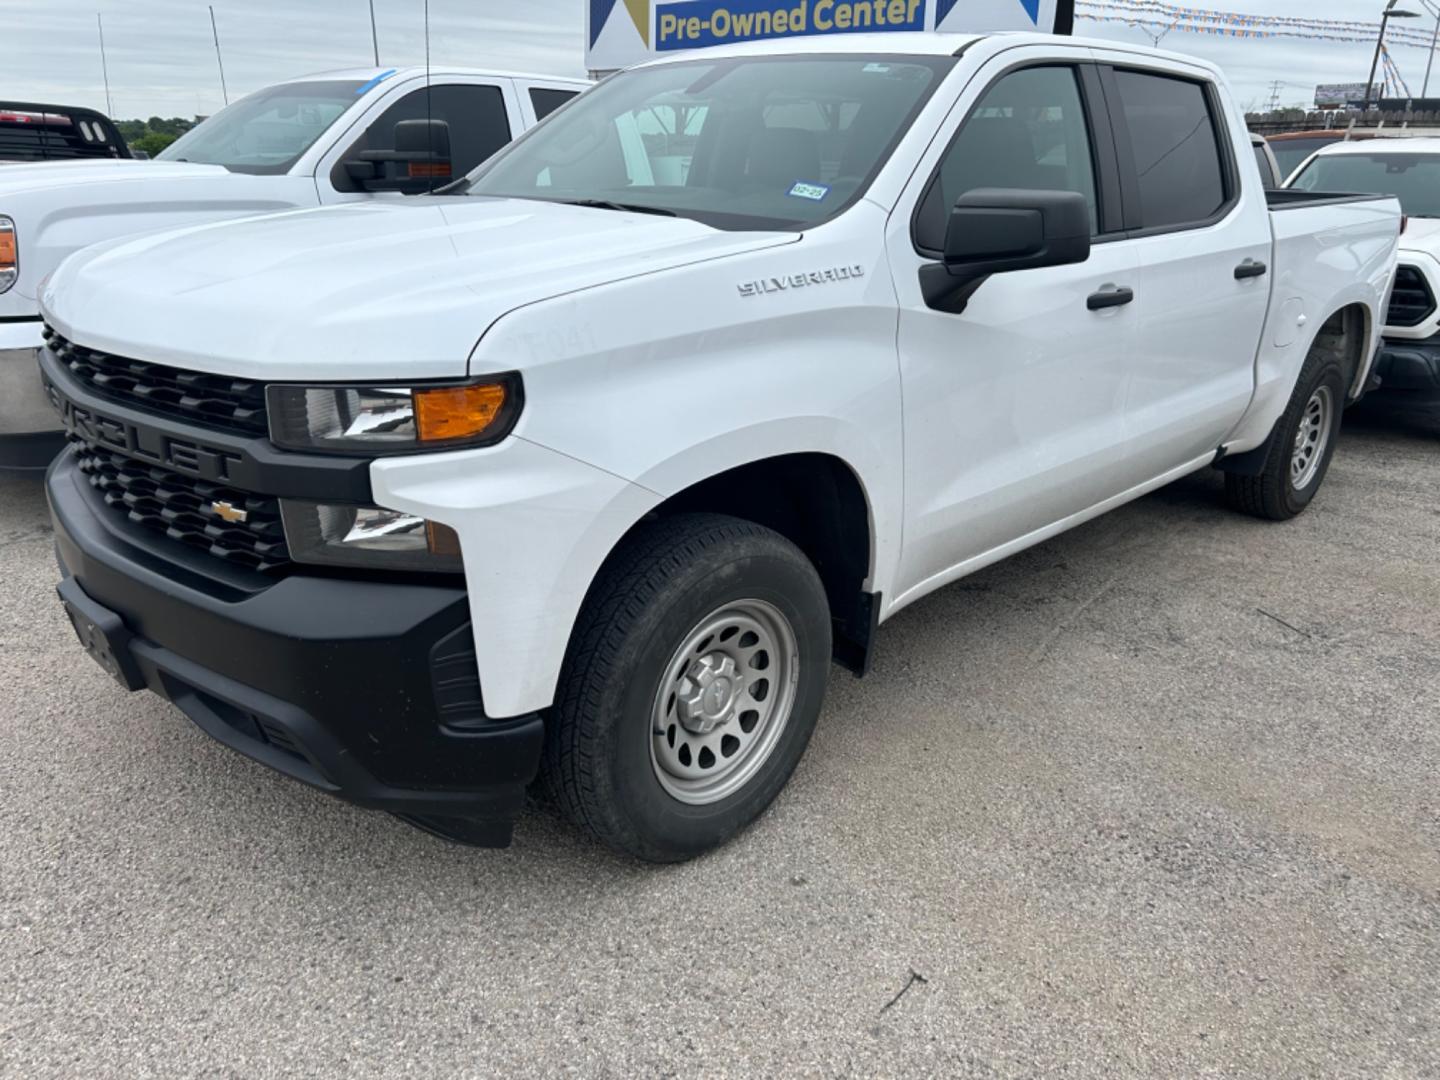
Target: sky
[162,59]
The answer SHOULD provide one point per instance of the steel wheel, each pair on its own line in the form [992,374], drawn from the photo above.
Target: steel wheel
[1311,437]
[725,700]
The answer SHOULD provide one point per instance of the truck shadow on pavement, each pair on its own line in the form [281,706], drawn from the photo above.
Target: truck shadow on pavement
[1127,581]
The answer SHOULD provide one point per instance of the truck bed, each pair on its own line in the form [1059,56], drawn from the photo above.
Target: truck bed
[1291,198]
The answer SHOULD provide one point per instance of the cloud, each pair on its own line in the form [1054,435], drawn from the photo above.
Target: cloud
[161,54]
[162,58]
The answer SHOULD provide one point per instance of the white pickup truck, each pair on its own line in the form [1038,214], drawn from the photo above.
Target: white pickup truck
[588,467]
[329,138]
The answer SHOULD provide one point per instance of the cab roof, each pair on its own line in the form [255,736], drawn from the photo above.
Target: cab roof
[914,43]
[369,74]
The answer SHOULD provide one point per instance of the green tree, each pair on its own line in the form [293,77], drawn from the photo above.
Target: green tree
[152,142]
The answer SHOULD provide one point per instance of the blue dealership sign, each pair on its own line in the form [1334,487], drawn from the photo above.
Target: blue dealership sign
[693,24]
[624,32]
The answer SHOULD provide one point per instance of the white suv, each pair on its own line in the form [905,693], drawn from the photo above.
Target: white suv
[1408,367]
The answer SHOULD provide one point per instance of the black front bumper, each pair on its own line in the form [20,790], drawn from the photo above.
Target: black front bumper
[365,689]
[1411,368]
[31,450]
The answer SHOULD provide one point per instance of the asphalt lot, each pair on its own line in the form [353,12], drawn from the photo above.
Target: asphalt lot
[1158,798]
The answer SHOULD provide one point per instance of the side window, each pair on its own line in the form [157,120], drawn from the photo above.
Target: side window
[1028,131]
[547,101]
[478,123]
[1177,154]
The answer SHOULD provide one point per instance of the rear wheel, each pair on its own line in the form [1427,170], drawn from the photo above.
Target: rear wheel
[1301,446]
[691,688]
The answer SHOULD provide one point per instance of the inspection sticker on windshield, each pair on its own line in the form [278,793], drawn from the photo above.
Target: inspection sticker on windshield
[805,190]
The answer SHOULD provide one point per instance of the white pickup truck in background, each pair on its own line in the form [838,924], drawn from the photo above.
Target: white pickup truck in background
[327,138]
[589,466]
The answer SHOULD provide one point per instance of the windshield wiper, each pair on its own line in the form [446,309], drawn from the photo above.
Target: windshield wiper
[606,204]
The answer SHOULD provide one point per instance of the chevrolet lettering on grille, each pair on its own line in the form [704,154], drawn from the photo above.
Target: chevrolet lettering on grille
[142,443]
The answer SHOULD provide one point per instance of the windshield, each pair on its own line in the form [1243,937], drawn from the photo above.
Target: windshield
[1414,179]
[267,131]
[739,144]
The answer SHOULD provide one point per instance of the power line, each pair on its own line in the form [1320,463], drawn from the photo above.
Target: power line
[1154,17]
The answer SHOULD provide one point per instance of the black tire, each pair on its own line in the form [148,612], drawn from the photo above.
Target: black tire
[1272,493]
[663,581]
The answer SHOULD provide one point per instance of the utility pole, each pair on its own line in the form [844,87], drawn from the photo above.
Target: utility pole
[213,30]
[375,35]
[1275,94]
[1434,40]
[104,67]
[1385,16]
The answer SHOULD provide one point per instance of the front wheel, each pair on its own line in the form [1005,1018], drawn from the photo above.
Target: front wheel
[1300,447]
[691,687]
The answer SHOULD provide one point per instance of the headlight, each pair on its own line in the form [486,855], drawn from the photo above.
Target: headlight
[374,420]
[335,534]
[9,254]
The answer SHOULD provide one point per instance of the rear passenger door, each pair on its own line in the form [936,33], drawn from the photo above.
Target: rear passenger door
[1202,242]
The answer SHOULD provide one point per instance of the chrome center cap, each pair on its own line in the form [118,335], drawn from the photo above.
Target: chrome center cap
[706,696]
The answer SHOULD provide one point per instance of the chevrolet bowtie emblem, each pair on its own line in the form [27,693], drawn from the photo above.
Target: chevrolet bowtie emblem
[229,512]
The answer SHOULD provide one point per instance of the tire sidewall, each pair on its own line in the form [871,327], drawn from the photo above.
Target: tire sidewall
[1328,374]
[653,822]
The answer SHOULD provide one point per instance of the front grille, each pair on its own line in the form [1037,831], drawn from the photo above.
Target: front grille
[180,507]
[218,401]
[1411,302]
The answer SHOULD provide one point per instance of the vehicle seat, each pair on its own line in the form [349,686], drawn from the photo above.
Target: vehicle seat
[999,152]
[777,157]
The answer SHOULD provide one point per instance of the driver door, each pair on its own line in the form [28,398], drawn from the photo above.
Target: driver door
[1014,408]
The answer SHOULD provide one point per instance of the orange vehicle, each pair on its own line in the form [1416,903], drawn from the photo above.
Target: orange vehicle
[1291,148]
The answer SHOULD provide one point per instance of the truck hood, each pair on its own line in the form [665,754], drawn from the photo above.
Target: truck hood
[48,175]
[376,290]
[1422,235]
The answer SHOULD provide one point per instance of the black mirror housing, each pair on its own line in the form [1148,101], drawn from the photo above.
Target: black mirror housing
[997,230]
[419,162]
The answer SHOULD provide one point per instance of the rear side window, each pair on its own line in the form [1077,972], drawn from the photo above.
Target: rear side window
[1173,137]
[476,115]
[547,101]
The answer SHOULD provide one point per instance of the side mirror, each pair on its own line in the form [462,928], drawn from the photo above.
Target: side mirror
[996,230]
[419,162]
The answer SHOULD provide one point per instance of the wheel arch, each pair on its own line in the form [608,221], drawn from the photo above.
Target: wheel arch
[1346,334]
[816,500]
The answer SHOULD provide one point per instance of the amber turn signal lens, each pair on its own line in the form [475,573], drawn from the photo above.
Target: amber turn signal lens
[442,540]
[457,412]
[7,250]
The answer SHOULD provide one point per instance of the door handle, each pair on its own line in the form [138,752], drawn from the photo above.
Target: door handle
[1248,269]
[1114,296]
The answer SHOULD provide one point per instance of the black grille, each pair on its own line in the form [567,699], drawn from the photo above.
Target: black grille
[217,401]
[1412,301]
[182,508]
